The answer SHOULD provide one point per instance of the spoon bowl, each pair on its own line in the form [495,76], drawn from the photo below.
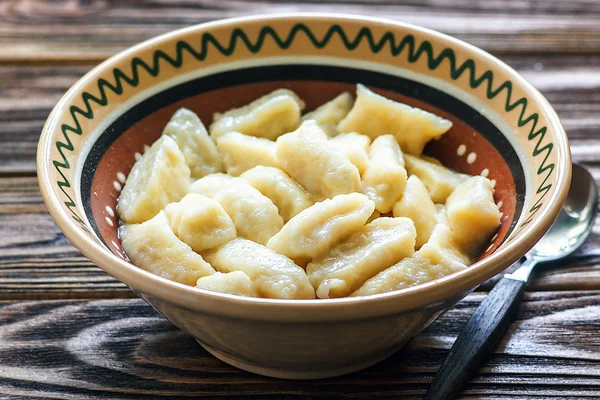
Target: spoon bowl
[575,221]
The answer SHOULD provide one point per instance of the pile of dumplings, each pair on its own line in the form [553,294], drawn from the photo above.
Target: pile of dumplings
[276,204]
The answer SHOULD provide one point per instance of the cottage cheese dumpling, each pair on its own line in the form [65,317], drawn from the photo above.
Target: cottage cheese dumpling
[329,115]
[439,180]
[355,147]
[472,213]
[374,115]
[371,249]
[199,150]
[439,257]
[314,192]
[417,205]
[200,222]
[235,282]
[242,152]
[275,276]
[283,191]
[269,116]
[385,178]
[160,177]
[254,215]
[307,156]
[319,227]
[153,246]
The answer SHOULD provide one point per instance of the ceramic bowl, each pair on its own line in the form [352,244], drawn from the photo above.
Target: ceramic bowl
[503,129]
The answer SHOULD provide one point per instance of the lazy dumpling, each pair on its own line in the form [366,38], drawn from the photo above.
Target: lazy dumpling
[241,152]
[254,215]
[329,115]
[374,115]
[371,249]
[283,191]
[472,213]
[160,177]
[153,246]
[199,150]
[235,282]
[439,180]
[269,116]
[385,177]
[200,222]
[307,156]
[321,226]
[417,205]
[439,257]
[274,275]
[355,147]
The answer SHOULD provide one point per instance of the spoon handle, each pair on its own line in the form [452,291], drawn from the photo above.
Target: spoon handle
[479,337]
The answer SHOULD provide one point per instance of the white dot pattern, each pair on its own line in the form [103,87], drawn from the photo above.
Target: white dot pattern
[462,149]
[471,158]
[117,186]
[121,177]
[110,211]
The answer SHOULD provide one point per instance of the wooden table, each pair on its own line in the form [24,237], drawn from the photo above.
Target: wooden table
[68,330]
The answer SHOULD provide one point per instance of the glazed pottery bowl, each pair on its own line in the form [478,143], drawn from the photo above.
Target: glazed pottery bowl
[503,129]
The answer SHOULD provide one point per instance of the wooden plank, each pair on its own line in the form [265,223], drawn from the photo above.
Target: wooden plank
[28,93]
[37,261]
[124,349]
[94,30]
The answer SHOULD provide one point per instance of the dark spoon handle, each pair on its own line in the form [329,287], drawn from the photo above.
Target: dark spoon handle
[479,337]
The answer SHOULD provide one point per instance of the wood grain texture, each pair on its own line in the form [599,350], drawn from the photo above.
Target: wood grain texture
[37,261]
[478,339]
[29,91]
[124,349]
[96,29]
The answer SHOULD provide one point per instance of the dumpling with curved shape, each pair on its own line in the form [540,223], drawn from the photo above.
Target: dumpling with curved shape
[289,197]
[472,213]
[307,156]
[371,249]
[439,257]
[254,215]
[200,152]
[160,177]
[242,152]
[329,115]
[374,115]
[439,180]
[274,275]
[418,206]
[269,116]
[235,282]
[385,178]
[321,226]
[153,246]
[355,147]
[200,222]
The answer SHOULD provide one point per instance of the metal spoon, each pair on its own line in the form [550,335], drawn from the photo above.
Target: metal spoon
[493,316]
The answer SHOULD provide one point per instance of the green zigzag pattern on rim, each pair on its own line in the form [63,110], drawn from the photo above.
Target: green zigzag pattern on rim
[408,43]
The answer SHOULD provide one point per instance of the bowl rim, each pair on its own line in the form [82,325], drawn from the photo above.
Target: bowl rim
[436,291]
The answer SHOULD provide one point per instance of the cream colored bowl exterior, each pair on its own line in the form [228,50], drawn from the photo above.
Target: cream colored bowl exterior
[301,350]
[306,339]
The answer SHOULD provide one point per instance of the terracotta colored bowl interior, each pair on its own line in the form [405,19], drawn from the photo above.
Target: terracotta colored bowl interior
[142,126]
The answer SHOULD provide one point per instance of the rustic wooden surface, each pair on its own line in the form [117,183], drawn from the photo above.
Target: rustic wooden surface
[68,330]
